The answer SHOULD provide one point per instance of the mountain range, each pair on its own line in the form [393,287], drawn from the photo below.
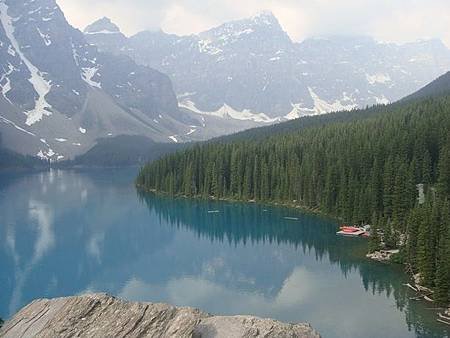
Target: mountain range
[251,69]
[63,90]
[60,94]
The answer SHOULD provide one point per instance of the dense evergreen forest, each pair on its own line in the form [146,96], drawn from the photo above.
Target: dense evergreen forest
[367,170]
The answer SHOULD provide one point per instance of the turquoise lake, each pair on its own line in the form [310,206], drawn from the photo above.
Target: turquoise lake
[78,231]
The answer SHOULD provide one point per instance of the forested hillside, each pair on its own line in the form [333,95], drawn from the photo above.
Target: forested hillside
[438,87]
[12,160]
[362,171]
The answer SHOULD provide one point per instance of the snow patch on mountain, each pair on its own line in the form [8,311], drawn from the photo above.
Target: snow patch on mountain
[191,131]
[75,54]
[173,138]
[205,46]
[382,100]
[48,154]
[298,110]
[5,120]
[228,112]
[6,87]
[320,106]
[11,51]
[41,86]
[88,74]
[45,37]
[378,78]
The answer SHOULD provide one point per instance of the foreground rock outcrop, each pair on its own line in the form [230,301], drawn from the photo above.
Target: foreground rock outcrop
[101,315]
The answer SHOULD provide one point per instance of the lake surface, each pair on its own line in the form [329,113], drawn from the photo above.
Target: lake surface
[71,232]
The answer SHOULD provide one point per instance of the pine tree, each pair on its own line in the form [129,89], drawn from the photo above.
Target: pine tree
[424,250]
[442,280]
[375,239]
[444,170]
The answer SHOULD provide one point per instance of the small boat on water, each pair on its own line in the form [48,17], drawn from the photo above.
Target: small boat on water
[351,231]
[213,211]
[291,218]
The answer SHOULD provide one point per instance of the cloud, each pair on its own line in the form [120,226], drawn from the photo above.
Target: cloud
[390,20]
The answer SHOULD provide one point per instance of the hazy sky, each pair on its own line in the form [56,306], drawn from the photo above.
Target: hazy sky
[387,20]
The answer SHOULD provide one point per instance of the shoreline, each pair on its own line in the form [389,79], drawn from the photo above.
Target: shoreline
[371,256]
[287,205]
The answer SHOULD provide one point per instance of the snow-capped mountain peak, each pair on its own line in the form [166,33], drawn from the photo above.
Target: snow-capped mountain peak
[264,22]
[259,34]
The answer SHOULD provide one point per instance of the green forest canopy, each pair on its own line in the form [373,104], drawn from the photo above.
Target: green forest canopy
[362,171]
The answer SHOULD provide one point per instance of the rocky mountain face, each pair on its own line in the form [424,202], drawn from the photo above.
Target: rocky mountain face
[251,70]
[62,90]
[105,35]
[100,315]
[59,93]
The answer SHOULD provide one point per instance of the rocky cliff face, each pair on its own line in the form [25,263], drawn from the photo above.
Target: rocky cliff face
[59,93]
[100,315]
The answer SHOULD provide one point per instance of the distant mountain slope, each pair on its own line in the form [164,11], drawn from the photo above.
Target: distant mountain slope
[59,94]
[12,160]
[438,87]
[250,68]
[124,150]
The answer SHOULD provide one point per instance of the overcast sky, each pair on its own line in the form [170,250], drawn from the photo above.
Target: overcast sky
[387,20]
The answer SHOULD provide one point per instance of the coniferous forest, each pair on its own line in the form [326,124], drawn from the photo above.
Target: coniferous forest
[390,170]
[14,161]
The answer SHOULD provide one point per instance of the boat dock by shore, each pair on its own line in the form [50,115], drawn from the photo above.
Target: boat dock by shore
[353,231]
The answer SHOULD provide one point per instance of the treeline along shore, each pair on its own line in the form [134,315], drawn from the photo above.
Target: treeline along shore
[367,170]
